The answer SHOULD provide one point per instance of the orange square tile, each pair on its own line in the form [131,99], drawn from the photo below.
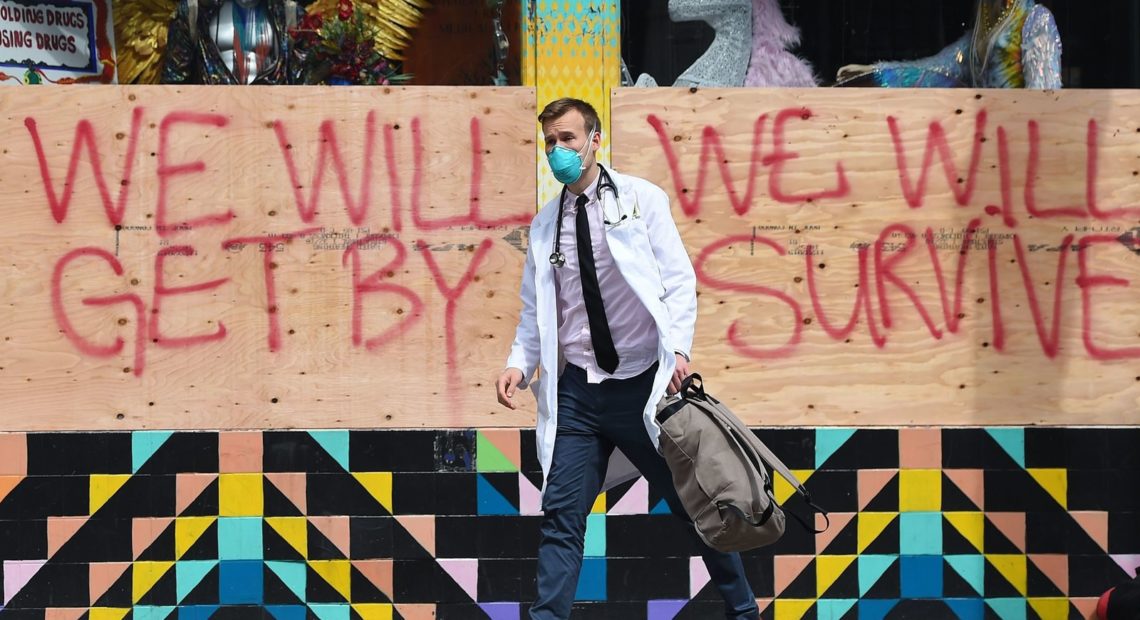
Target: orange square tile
[239,452]
[13,454]
[920,448]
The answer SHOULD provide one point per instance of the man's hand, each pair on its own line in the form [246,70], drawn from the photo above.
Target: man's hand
[505,386]
[679,374]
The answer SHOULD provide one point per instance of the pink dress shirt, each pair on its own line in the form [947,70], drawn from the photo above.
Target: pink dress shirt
[632,327]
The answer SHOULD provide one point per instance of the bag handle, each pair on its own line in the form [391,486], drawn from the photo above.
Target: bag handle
[692,387]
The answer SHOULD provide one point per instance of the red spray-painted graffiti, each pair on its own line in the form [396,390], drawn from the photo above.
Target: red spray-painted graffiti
[880,259]
[359,208]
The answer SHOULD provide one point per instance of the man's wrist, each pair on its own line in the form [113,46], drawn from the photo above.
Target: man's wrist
[684,355]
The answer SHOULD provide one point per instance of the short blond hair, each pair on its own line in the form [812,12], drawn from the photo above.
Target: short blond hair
[559,107]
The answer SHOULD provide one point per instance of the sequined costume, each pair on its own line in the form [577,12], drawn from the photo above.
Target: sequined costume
[193,55]
[1014,44]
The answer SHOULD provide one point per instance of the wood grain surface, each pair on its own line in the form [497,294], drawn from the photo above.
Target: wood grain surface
[827,227]
[214,284]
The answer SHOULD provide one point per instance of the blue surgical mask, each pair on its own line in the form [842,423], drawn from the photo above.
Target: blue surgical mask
[566,164]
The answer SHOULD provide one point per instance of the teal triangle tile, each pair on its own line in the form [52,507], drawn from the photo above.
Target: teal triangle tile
[197,612]
[847,585]
[144,444]
[1012,440]
[867,448]
[153,612]
[953,499]
[317,590]
[120,593]
[996,542]
[335,443]
[872,609]
[206,547]
[804,585]
[1038,584]
[837,609]
[277,548]
[827,441]
[888,542]
[189,574]
[889,585]
[954,584]
[100,539]
[364,591]
[205,505]
[205,592]
[182,452]
[997,586]
[491,500]
[321,548]
[872,568]
[954,543]
[887,500]
[162,549]
[164,592]
[1002,608]
[285,583]
[298,451]
[660,508]
[967,608]
[274,502]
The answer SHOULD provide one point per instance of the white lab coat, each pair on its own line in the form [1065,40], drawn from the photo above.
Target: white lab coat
[648,251]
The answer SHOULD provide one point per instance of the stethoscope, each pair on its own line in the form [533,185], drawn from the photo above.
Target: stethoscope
[557,258]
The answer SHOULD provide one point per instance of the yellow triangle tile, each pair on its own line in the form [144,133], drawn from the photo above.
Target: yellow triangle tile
[374,611]
[108,613]
[1055,482]
[145,575]
[828,568]
[1013,568]
[187,531]
[103,487]
[1050,607]
[295,531]
[784,489]
[338,573]
[971,525]
[379,485]
[870,525]
[792,609]
[599,504]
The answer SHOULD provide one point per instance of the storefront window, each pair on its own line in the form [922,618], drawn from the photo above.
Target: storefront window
[1100,40]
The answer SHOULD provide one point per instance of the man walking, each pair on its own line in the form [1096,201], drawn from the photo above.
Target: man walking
[609,307]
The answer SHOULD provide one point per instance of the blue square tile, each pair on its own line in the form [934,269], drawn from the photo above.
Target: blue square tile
[241,582]
[921,576]
[592,580]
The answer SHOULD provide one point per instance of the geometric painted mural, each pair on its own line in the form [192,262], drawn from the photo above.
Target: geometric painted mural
[926,523]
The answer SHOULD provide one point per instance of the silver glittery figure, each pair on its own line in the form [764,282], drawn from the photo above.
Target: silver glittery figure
[726,61]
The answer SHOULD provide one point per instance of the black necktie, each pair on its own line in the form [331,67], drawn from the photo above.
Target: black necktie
[604,350]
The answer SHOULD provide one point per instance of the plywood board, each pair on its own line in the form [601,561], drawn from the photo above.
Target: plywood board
[905,257]
[202,257]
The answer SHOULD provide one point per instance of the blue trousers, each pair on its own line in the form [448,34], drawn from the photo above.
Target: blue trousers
[592,420]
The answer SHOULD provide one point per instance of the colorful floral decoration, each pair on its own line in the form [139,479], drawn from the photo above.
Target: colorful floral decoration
[342,48]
